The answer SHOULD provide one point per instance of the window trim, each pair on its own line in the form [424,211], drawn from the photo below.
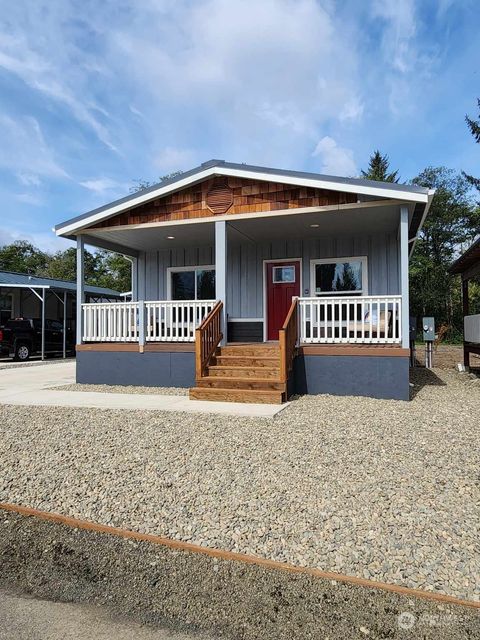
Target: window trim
[337,260]
[200,267]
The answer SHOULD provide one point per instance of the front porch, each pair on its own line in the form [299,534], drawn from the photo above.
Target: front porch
[188,334]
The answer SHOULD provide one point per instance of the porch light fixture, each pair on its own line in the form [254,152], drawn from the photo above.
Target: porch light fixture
[170,237]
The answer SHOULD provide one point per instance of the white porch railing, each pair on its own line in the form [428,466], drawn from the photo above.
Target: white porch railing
[351,320]
[164,321]
[472,328]
[169,321]
[110,322]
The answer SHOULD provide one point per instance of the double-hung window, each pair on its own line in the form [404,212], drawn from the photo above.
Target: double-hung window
[192,283]
[339,276]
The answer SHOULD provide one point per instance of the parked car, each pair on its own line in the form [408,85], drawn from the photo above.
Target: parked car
[21,338]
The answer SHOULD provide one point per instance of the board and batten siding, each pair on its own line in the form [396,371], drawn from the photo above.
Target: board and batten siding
[245,266]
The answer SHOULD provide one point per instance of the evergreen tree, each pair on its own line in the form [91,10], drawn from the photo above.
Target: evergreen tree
[378,169]
[474,126]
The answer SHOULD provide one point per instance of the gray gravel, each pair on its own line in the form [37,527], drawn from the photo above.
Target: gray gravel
[112,388]
[381,489]
[165,587]
[8,363]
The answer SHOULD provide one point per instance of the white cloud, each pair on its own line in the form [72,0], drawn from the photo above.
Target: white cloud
[47,241]
[28,179]
[335,160]
[400,29]
[51,70]
[171,159]
[25,152]
[29,198]
[100,185]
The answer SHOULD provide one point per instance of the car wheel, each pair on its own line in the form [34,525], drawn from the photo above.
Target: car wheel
[22,352]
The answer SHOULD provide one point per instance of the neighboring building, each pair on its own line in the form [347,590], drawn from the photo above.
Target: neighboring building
[251,283]
[26,296]
[468,267]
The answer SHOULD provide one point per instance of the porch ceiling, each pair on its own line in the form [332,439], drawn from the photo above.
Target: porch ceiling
[363,220]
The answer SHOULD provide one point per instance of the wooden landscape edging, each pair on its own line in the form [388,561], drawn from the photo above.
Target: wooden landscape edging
[235,557]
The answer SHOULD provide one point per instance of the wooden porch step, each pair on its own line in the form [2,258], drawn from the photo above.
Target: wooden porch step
[247,361]
[249,350]
[217,371]
[261,396]
[211,382]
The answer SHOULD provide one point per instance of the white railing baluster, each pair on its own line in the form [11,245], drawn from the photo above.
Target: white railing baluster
[335,319]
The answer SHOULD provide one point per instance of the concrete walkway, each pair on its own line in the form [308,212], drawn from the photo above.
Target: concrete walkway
[31,386]
[25,618]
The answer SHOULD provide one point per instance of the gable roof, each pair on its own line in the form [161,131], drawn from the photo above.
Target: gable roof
[409,193]
[24,280]
[469,258]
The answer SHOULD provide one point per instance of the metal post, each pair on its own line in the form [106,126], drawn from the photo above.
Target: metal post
[43,323]
[80,288]
[405,324]
[64,324]
[221,271]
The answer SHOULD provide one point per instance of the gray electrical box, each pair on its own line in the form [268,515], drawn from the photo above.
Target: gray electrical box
[428,328]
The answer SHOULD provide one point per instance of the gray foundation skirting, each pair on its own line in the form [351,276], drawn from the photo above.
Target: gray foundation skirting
[375,377]
[157,369]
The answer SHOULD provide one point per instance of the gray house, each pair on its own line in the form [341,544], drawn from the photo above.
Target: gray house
[252,283]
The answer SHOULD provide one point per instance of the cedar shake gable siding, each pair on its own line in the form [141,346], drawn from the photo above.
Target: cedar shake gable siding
[227,195]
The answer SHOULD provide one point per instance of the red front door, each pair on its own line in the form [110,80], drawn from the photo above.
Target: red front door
[283,283]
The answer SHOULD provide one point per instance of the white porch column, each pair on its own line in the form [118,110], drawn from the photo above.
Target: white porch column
[221,271]
[134,283]
[80,287]
[404,276]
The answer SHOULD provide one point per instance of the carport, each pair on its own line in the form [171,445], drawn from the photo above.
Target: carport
[18,291]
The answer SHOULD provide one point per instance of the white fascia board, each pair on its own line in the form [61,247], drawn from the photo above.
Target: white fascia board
[135,202]
[6,285]
[77,226]
[431,193]
[326,184]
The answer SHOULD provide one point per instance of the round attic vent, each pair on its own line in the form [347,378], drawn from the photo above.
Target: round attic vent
[219,198]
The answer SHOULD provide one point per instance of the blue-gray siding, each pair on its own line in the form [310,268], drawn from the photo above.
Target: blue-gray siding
[245,266]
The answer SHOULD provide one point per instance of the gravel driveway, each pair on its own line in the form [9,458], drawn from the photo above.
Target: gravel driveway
[381,489]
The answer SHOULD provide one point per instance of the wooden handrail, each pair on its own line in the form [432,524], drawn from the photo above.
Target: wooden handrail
[207,337]
[287,337]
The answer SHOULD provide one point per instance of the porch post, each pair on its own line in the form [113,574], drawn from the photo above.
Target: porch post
[404,276]
[134,283]
[80,287]
[221,271]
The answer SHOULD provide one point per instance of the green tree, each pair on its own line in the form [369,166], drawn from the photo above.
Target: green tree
[63,266]
[379,169]
[474,126]
[141,184]
[23,257]
[114,271]
[453,221]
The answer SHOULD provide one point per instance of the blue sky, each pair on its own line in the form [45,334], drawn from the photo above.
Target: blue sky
[95,95]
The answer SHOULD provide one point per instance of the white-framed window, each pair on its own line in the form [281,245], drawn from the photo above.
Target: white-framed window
[191,283]
[339,276]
